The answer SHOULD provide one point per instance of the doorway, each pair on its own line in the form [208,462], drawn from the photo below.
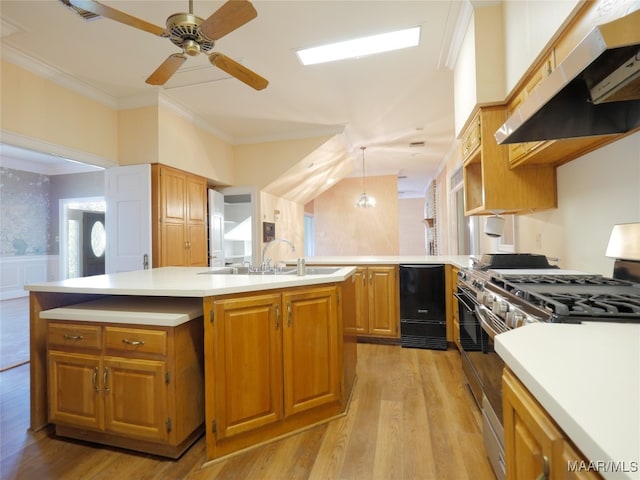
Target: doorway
[82,234]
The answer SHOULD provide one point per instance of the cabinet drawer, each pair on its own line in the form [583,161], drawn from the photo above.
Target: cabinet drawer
[71,335]
[135,340]
[471,138]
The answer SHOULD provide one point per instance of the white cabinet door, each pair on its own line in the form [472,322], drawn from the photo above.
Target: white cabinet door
[128,218]
[216,229]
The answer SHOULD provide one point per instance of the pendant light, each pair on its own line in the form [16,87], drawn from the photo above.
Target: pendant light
[365,201]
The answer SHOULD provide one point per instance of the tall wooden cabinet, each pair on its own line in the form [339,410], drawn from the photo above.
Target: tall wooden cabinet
[377,301]
[179,210]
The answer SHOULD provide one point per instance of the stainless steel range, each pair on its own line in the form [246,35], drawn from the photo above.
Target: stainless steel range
[506,291]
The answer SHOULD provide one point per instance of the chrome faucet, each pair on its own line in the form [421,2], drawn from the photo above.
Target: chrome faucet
[266,262]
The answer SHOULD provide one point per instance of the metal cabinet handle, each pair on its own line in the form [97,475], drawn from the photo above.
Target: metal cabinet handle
[105,380]
[94,380]
[132,342]
[73,337]
[288,314]
[545,469]
[277,317]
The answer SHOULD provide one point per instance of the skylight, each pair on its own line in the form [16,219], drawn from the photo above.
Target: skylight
[359,47]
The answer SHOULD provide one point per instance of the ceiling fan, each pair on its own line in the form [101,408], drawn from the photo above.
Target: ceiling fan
[189,32]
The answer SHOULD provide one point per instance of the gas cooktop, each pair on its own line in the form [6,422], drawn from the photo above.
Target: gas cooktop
[576,298]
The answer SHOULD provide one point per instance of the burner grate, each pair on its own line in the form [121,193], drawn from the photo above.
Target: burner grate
[591,305]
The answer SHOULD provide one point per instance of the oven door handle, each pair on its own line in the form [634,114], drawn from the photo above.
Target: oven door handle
[462,298]
[483,313]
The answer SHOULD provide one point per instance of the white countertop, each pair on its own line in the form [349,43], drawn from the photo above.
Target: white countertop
[461,261]
[182,282]
[158,311]
[587,377]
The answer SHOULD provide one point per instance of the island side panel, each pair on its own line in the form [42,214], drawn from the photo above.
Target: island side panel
[350,339]
[39,301]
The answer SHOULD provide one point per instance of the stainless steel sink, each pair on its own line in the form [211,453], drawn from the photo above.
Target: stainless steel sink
[287,271]
[247,271]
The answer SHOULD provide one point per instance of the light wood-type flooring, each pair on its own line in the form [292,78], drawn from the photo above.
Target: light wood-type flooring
[14,332]
[411,417]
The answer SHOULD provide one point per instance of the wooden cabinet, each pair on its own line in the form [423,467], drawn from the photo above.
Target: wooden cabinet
[491,185]
[535,447]
[248,363]
[132,387]
[277,358]
[557,152]
[377,301]
[179,209]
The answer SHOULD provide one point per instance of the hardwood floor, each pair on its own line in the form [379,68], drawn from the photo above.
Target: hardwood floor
[411,417]
[14,332]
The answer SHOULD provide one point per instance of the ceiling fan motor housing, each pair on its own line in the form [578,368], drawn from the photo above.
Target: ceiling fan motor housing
[184,31]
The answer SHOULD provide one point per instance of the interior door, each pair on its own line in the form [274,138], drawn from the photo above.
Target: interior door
[128,218]
[216,229]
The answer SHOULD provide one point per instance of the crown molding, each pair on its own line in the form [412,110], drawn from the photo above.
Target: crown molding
[463,18]
[41,69]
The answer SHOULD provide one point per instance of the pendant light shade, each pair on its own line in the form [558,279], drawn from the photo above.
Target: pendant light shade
[365,201]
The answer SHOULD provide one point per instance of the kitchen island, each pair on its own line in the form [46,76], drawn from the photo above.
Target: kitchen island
[290,337]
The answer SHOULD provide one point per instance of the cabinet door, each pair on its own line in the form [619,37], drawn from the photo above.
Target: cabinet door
[136,398]
[248,363]
[197,253]
[362,300]
[383,301]
[532,442]
[311,349]
[173,193]
[75,390]
[172,245]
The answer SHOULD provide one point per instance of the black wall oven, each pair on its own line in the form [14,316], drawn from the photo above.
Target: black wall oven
[483,369]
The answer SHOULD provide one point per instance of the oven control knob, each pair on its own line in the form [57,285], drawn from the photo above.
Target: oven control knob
[488,300]
[500,307]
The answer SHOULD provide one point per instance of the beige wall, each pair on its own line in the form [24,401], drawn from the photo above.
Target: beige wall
[411,229]
[138,136]
[289,225]
[188,147]
[37,108]
[595,192]
[343,229]
[261,163]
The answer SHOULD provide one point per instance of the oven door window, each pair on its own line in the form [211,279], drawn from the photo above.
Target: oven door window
[470,329]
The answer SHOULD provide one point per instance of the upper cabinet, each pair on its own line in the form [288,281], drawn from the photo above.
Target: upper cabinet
[581,20]
[490,185]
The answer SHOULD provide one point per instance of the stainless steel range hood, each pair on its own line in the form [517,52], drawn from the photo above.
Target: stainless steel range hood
[594,91]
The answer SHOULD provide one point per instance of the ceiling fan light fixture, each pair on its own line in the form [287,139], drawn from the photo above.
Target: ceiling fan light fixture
[191,48]
[360,47]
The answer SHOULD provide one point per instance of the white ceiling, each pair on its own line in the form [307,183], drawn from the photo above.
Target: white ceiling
[383,101]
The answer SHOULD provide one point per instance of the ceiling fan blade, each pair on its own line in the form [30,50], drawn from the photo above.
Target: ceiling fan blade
[239,71]
[166,69]
[113,14]
[227,18]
